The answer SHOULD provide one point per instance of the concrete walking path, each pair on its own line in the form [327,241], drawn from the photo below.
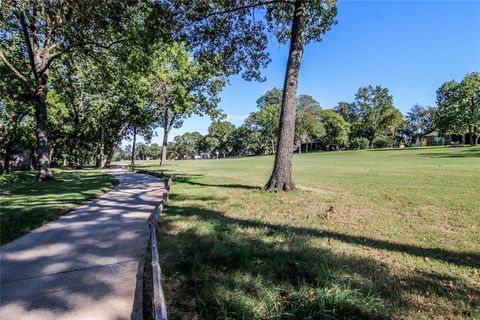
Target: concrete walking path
[87,264]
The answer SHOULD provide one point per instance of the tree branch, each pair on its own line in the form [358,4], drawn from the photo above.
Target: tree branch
[12,68]
[27,42]
[249,6]
[77,47]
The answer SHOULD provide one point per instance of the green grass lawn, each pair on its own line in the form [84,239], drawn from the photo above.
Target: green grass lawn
[26,204]
[402,242]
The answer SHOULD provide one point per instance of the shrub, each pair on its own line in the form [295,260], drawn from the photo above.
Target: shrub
[359,143]
[383,141]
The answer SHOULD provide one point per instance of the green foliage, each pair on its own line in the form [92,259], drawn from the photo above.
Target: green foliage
[419,122]
[447,118]
[180,87]
[459,106]
[219,137]
[308,125]
[187,145]
[372,116]
[336,130]
[359,143]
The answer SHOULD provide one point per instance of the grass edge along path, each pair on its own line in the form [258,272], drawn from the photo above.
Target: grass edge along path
[26,204]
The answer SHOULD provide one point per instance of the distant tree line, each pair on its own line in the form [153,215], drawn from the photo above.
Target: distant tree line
[370,121]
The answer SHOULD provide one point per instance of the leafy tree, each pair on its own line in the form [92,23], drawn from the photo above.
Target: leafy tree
[459,107]
[310,20]
[349,112]
[336,130]
[16,117]
[219,134]
[187,145]
[447,118]
[42,31]
[265,121]
[271,97]
[181,87]
[376,114]
[470,104]
[307,123]
[419,122]
[245,141]
[242,41]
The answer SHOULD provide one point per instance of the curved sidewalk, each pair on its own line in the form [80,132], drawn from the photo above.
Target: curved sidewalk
[87,264]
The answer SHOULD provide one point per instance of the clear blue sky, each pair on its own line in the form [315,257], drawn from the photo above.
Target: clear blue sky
[410,47]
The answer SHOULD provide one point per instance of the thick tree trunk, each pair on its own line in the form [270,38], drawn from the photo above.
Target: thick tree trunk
[474,136]
[6,167]
[43,154]
[77,110]
[76,152]
[115,144]
[163,158]
[167,126]
[282,178]
[133,146]
[101,151]
[473,133]
[78,165]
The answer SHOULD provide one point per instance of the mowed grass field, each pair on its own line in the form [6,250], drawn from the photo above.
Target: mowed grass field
[26,204]
[401,241]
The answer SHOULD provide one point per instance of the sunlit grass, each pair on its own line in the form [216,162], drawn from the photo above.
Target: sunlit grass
[26,204]
[401,242]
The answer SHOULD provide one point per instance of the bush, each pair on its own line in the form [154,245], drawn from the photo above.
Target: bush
[359,143]
[383,142]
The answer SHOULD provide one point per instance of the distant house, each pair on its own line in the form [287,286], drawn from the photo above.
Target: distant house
[202,155]
[434,139]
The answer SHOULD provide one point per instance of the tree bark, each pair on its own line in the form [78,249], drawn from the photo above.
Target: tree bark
[474,136]
[167,126]
[101,151]
[133,146]
[163,159]
[115,144]
[43,154]
[6,167]
[77,110]
[282,178]
[473,133]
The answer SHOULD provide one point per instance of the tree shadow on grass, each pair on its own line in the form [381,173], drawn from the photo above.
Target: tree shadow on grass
[230,268]
[465,153]
[191,180]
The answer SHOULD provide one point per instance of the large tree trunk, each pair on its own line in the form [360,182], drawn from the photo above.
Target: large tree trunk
[167,126]
[115,144]
[6,167]
[163,158]
[474,136]
[43,154]
[101,151]
[77,110]
[133,146]
[473,133]
[282,178]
